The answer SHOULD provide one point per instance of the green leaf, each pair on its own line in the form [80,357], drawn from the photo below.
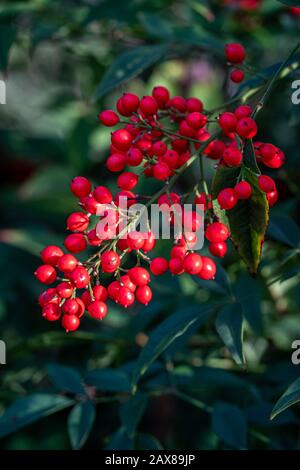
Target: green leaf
[66,378]
[8,34]
[129,65]
[290,3]
[229,325]
[120,441]
[247,292]
[147,442]
[80,423]
[285,230]
[164,334]
[156,26]
[248,220]
[109,380]
[132,411]
[249,159]
[229,423]
[289,398]
[29,409]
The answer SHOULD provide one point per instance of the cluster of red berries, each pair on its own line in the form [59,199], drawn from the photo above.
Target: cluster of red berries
[235,55]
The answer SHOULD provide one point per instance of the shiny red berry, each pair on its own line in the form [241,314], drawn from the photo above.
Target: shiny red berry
[79,277]
[70,307]
[159,266]
[243,111]
[102,195]
[243,190]
[246,128]
[227,199]
[51,312]
[143,295]
[70,322]
[237,76]
[97,309]
[218,249]
[75,243]
[45,274]
[127,180]
[176,266]
[235,53]
[232,157]
[116,162]
[227,122]
[192,263]
[217,232]
[77,222]
[130,102]
[64,290]
[148,105]
[125,297]
[208,269]
[109,118]
[161,95]
[121,139]
[110,261]
[51,254]
[139,276]
[67,263]
[80,186]
[266,183]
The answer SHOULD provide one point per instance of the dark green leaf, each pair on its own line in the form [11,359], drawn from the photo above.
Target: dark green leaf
[156,26]
[132,411]
[129,65]
[229,423]
[29,409]
[147,442]
[247,292]
[66,378]
[290,3]
[285,230]
[120,441]
[229,324]
[80,423]
[165,333]
[109,380]
[249,159]
[248,220]
[8,34]
[289,398]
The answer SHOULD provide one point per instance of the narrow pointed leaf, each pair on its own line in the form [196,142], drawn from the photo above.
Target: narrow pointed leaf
[229,325]
[289,398]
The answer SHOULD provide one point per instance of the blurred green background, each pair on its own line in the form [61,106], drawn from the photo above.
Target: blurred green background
[63,62]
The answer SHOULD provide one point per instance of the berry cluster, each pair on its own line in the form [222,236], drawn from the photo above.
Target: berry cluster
[158,136]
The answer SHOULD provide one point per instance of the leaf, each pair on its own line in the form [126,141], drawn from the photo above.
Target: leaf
[8,34]
[80,423]
[285,230]
[289,398]
[132,411]
[165,333]
[229,325]
[120,441]
[147,442]
[29,409]
[108,380]
[156,26]
[249,159]
[248,220]
[66,378]
[229,423]
[129,65]
[290,3]
[247,292]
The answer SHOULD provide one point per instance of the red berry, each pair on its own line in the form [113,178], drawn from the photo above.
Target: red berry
[159,148]
[102,195]
[51,254]
[70,307]
[266,184]
[116,162]
[196,120]
[148,105]
[176,266]
[232,157]
[170,158]
[139,276]
[80,186]
[169,199]
[218,249]
[45,274]
[200,199]
[246,128]
[70,322]
[227,122]
[75,243]
[77,222]
[127,180]
[135,240]
[113,289]
[91,205]
[268,151]
[130,102]
[97,309]
[127,197]
[81,307]
[243,111]
[161,171]
[110,261]
[194,105]
[227,199]
[215,149]
[93,239]
[51,312]
[185,130]
[134,157]
[243,190]
[192,263]
[64,290]
[126,282]
[237,76]
[149,242]
[235,53]
[161,95]
[208,269]
[272,197]
[79,277]
[144,295]
[217,232]
[192,221]
[125,297]
[109,118]
[159,266]
[121,139]
[178,252]
[145,145]
[179,103]
[67,263]
[49,295]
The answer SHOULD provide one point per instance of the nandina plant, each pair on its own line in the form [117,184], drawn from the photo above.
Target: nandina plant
[160,136]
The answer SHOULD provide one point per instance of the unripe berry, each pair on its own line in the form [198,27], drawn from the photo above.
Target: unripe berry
[208,269]
[51,254]
[232,157]
[235,53]
[121,139]
[110,261]
[75,243]
[192,263]
[148,105]
[139,276]
[218,249]
[125,297]
[67,263]
[64,290]
[70,307]
[266,184]
[227,199]
[109,118]
[77,222]
[243,190]
[217,232]
[46,274]
[80,277]
[51,312]
[237,76]
[80,186]
[70,322]
[159,266]
[227,122]
[143,295]
[127,180]
[246,128]
[161,95]
[97,309]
